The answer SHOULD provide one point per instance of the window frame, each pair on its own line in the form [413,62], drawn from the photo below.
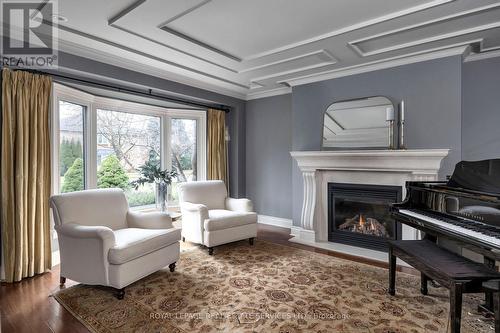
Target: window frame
[73,96]
[92,103]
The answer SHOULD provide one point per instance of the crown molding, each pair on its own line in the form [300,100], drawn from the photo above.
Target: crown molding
[109,59]
[426,40]
[269,93]
[318,53]
[141,53]
[291,71]
[411,58]
[352,70]
[358,49]
[482,56]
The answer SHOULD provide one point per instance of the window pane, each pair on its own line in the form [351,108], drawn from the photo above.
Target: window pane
[183,152]
[125,142]
[71,157]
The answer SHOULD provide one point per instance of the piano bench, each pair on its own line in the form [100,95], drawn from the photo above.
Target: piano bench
[459,274]
[493,286]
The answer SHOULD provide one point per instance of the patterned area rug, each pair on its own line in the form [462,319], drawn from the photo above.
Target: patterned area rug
[267,288]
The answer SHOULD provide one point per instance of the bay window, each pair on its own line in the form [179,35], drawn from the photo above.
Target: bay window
[102,143]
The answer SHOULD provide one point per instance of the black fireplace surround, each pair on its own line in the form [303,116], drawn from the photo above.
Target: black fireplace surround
[359,215]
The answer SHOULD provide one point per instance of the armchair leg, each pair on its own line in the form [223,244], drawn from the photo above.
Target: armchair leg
[121,293]
[210,251]
[250,240]
[62,280]
[172,267]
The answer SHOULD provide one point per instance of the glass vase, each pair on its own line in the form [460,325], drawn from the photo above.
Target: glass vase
[161,196]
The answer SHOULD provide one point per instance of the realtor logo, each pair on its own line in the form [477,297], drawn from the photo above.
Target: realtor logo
[28,35]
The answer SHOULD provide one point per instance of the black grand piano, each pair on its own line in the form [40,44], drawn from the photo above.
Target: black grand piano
[465,209]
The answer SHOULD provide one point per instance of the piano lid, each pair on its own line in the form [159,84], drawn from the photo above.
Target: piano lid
[482,176]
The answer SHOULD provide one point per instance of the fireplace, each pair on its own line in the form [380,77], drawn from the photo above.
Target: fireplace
[360,215]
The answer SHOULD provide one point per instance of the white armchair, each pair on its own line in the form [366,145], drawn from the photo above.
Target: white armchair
[102,242]
[210,218]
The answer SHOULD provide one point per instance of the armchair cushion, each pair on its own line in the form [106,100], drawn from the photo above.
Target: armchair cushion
[219,219]
[99,207]
[239,205]
[211,193]
[132,243]
[151,220]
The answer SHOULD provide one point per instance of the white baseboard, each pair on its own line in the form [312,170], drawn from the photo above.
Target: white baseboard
[275,221]
[304,235]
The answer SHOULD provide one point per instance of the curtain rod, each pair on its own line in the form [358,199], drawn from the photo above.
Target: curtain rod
[150,93]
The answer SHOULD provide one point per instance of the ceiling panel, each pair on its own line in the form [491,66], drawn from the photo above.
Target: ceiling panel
[249,28]
[249,48]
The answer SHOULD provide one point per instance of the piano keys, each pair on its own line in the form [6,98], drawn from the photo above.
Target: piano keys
[477,231]
[466,208]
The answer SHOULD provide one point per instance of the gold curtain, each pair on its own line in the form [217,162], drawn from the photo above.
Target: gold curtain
[216,146]
[25,170]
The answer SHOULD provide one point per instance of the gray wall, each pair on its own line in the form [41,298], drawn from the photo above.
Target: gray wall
[432,93]
[269,164]
[79,66]
[481,109]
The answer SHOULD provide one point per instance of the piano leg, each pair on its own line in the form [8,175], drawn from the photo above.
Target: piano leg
[423,284]
[392,272]
[456,290]
[487,308]
[497,311]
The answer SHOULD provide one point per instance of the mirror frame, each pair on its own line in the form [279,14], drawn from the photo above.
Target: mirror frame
[391,130]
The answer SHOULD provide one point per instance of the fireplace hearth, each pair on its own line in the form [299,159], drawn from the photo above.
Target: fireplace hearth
[359,215]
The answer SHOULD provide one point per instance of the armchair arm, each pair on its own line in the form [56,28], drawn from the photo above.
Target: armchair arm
[84,252]
[193,219]
[239,205]
[153,220]
[84,231]
[192,207]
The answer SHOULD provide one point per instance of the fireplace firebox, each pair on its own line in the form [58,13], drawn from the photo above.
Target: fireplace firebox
[360,215]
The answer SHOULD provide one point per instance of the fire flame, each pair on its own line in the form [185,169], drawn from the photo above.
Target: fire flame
[361,220]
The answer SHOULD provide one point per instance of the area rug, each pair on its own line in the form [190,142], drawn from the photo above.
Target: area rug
[268,288]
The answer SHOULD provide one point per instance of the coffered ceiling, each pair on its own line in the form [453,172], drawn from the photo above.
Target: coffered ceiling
[254,48]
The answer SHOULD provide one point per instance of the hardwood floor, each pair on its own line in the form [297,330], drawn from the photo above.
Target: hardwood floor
[28,307]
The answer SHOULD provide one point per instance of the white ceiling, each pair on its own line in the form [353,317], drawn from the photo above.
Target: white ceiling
[249,29]
[255,48]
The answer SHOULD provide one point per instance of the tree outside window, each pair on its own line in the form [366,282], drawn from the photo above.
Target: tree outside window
[127,141]
[183,152]
[71,159]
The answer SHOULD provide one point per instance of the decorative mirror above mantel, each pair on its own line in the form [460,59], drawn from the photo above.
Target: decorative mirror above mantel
[365,123]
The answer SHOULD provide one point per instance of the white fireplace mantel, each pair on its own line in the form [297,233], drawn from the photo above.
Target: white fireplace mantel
[415,161]
[378,167]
